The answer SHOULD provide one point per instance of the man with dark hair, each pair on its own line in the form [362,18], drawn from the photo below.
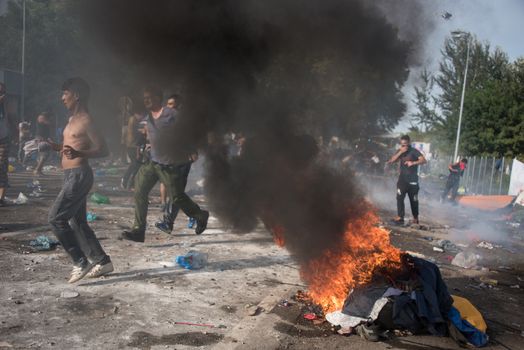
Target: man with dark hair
[173,101]
[135,141]
[410,158]
[167,166]
[82,141]
[455,173]
[7,128]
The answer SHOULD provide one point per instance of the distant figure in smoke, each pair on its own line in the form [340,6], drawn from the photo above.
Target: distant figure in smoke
[168,166]
[82,141]
[7,128]
[42,134]
[410,158]
[455,173]
[171,211]
[171,103]
[24,135]
[135,140]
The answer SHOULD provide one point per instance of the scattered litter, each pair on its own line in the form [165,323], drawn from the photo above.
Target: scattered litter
[516,286]
[112,171]
[49,168]
[437,249]
[310,316]
[100,172]
[10,169]
[22,199]
[43,243]
[447,245]
[91,216]
[415,254]
[69,294]
[193,260]
[465,260]
[514,224]
[99,198]
[505,268]
[489,281]
[285,303]
[485,244]
[427,238]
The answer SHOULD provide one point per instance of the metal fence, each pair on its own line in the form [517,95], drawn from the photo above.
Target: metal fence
[483,175]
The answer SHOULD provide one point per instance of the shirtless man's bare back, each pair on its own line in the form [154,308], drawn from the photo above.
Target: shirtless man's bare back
[81,142]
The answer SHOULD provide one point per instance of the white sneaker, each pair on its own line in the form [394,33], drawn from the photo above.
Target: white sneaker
[100,270]
[79,272]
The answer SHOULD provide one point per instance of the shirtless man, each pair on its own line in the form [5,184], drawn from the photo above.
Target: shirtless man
[68,214]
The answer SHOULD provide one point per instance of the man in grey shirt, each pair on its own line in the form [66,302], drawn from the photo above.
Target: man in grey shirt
[167,166]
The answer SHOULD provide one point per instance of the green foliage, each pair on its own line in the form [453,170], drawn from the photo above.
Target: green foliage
[493,116]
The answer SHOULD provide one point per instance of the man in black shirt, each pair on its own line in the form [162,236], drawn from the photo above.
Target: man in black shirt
[455,173]
[410,158]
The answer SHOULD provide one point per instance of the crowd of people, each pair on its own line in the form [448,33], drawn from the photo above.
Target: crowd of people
[146,130]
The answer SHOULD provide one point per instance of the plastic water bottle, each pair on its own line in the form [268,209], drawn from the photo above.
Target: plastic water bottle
[193,260]
[191,223]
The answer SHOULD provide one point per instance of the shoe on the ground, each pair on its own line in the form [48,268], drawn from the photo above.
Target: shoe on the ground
[134,235]
[79,272]
[398,221]
[415,221]
[100,270]
[201,222]
[164,226]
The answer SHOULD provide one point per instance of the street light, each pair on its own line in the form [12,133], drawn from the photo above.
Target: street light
[459,34]
[23,62]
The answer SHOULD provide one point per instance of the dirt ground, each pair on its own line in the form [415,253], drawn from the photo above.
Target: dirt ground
[146,301]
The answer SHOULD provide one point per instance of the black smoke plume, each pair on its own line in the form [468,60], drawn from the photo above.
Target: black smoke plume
[281,72]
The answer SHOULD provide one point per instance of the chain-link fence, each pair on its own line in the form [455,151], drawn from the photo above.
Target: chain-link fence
[483,175]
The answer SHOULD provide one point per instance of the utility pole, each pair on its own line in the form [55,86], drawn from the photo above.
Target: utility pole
[22,108]
[455,154]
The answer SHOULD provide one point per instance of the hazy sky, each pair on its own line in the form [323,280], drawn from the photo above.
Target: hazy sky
[500,22]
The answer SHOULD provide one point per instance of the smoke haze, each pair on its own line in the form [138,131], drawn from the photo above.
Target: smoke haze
[281,73]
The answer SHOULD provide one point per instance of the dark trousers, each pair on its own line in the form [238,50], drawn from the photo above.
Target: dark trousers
[411,189]
[132,169]
[174,178]
[4,162]
[451,185]
[171,211]
[69,222]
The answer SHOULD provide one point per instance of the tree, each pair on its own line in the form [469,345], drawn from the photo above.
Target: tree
[493,113]
[426,115]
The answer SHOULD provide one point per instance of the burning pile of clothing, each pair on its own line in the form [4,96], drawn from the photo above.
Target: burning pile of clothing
[411,300]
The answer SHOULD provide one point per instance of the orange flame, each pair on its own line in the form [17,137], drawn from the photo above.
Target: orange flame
[365,248]
[278,235]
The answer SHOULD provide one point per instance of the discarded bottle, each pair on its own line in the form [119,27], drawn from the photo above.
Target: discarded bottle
[193,260]
[99,198]
[112,171]
[466,260]
[191,223]
[22,199]
[91,216]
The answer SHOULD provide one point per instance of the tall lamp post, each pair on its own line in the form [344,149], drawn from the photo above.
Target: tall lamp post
[22,108]
[458,34]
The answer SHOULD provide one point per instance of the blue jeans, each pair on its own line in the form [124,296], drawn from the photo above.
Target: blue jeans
[68,218]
